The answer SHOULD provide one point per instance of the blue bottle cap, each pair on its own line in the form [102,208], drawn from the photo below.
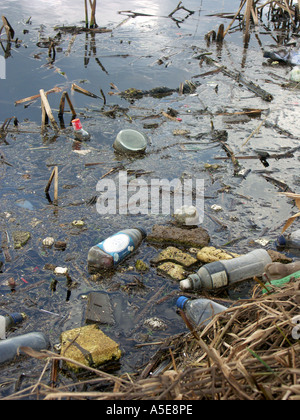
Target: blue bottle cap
[281,240]
[181,302]
[17,317]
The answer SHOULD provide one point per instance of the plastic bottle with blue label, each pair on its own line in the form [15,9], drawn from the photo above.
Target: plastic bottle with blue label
[112,251]
[199,311]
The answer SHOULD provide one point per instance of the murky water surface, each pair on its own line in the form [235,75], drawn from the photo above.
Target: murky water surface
[144,52]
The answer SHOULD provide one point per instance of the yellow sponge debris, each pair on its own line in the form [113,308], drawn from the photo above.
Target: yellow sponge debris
[88,345]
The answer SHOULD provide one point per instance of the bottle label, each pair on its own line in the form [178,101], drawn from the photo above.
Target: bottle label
[219,279]
[218,274]
[118,246]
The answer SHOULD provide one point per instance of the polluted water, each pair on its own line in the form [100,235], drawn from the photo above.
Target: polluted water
[198,116]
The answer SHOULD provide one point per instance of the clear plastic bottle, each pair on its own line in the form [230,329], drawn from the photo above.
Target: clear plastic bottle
[10,348]
[199,311]
[79,132]
[9,321]
[292,240]
[225,272]
[110,252]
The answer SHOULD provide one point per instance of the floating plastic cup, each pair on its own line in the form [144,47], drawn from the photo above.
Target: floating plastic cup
[130,141]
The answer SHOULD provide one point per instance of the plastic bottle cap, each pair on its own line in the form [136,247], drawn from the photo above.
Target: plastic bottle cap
[17,317]
[181,301]
[77,124]
[185,284]
[281,240]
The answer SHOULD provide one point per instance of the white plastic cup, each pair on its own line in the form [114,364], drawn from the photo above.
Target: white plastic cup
[130,141]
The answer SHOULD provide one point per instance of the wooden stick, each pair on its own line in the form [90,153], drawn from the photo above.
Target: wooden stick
[50,181]
[55,186]
[47,109]
[248,17]
[86,14]
[31,98]
[236,15]
[54,175]
[93,19]
[8,29]
[65,96]
[79,89]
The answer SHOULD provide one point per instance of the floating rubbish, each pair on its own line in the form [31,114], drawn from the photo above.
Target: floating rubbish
[209,254]
[89,346]
[99,309]
[115,249]
[25,204]
[9,321]
[48,242]
[294,75]
[280,282]
[199,311]
[130,141]
[187,215]
[60,271]
[277,270]
[10,348]
[288,57]
[79,133]
[292,240]
[223,273]
[155,324]
[216,207]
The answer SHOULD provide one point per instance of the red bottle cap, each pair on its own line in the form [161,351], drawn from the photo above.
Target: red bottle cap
[77,124]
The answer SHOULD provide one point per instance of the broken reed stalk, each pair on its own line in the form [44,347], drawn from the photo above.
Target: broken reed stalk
[46,111]
[65,96]
[249,7]
[93,15]
[54,175]
[86,14]
[8,29]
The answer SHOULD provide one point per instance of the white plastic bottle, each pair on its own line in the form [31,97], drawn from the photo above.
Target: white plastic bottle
[10,348]
[79,133]
[292,240]
[110,252]
[199,311]
[225,272]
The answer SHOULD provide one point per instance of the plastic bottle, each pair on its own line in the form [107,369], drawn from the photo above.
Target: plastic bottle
[222,273]
[79,132]
[199,311]
[115,249]
[9,321]
[292,240]
[130,141]
[9,348]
